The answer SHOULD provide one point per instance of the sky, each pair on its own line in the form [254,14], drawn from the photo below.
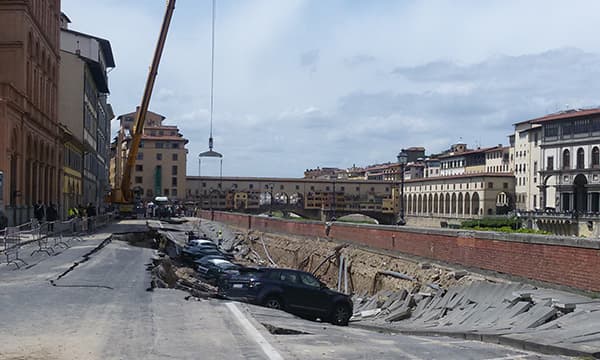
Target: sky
[335,83]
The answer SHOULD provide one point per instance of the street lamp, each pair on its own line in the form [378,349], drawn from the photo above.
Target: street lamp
[402,160]
[333,218]
[270,186]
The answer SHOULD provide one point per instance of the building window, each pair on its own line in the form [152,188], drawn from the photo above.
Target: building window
[566,159]
[204,184]
[174,170]
[490,185]
[158,156]
[505,185]
[297,187]
[166,192]
[139,168]
[159,145]
[173,192]
[251,186]
[174,181]
[175,145]
[595,157]
[138,180]
[142,143]
[140,156]
[312,188]
[326,188]
[580,158]
[550,163]
[174,157]
[149,193]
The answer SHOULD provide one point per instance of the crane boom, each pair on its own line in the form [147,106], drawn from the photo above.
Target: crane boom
[124,195]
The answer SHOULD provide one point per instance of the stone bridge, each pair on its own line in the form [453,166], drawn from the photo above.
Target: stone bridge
[309,198]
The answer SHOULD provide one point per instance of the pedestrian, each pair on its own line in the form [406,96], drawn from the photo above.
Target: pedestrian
[51,216]
[327,228]
[71,213]
[91,214]
[81,210]
[38,211]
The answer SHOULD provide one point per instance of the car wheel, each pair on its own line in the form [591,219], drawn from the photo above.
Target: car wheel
[340,315]
[273,302]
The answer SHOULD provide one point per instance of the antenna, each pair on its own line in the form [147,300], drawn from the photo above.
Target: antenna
[210,152]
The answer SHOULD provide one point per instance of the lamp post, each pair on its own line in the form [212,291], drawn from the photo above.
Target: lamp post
[270,200]
[402,160]
[333,218]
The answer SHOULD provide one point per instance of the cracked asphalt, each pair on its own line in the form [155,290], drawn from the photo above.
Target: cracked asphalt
[101,310]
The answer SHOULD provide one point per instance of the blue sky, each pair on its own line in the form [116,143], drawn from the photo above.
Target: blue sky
[306,83]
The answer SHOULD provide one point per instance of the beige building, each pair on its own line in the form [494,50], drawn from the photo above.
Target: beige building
[160,167]
[85,116]
[525,162]
[30,143]
[458,197]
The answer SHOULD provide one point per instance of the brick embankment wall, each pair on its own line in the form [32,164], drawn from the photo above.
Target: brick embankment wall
[567,261]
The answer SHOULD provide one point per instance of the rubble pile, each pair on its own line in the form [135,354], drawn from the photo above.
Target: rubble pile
[167,274]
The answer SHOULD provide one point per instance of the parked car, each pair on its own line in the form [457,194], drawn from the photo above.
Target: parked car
[190,254]
[214,270]
[294,291]
[198,242]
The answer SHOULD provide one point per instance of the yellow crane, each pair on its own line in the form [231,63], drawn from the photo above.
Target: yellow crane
[123,197]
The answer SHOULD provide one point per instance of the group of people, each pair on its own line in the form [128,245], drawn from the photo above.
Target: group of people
[49,213]
[81,211]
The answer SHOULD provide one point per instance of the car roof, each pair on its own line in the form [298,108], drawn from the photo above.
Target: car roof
[219,261]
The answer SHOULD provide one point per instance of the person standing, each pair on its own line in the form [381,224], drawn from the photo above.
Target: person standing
[38,211]
[91,214]
[51,216]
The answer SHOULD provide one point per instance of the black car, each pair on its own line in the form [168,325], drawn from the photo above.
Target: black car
[295,291]
[214,270]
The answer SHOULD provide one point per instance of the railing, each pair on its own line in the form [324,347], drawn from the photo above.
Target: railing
[46,237]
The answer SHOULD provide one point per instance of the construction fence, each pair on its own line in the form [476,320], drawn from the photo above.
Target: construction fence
[46,237]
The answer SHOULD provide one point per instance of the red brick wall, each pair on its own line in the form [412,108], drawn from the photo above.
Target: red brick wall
[562,264]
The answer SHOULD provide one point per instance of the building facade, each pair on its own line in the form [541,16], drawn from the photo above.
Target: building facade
[30,141]
[464,196]
[84,114]
[525,163]
[569,176]
[160,166]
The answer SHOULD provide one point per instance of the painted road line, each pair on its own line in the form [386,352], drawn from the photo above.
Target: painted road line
[267,348]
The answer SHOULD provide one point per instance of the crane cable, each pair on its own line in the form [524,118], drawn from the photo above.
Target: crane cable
[212,74]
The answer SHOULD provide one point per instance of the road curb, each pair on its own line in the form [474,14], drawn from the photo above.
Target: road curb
[500,339]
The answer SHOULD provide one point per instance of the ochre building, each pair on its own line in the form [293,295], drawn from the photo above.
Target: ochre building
[30,144]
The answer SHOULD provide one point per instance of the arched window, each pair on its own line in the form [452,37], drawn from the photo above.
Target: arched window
[566,159]
[595,157]
[580,160]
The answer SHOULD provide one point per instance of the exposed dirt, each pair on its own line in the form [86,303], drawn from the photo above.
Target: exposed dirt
[320,257]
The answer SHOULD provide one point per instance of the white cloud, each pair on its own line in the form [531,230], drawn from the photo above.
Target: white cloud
[300,84]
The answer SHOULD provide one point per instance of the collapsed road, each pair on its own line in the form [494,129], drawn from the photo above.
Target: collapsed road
[102,309]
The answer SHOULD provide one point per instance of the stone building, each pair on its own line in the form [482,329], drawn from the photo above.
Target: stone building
[84,115]
[569,171]
[430,201]
[160,167]
[30,141]
[525,163]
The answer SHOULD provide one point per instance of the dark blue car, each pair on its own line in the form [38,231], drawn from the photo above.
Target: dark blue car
[294,291]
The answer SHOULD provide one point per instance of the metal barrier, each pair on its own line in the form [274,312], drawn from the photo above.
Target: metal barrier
[47,236]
